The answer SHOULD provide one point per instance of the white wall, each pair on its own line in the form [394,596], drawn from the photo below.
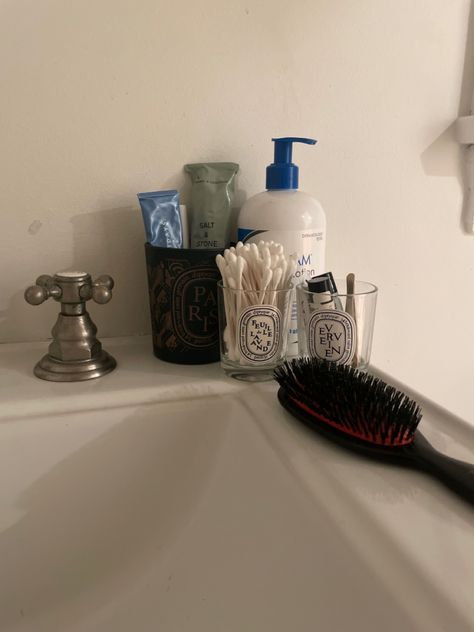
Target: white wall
[104,98]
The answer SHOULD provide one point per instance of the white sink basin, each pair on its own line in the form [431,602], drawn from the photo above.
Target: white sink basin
[214,513]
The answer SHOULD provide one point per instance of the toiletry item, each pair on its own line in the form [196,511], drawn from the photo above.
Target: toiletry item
[332,287]
[286,215]
[211,203]
[318,296]
[351,310]
[255,299]
[321,294]
[322,288]
[182,284]
[328,331]
[364,414]
[183,213]
[162,219]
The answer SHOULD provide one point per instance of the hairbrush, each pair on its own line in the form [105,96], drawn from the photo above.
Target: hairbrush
[364,414]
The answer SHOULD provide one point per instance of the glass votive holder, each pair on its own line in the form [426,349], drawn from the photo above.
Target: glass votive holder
[337,327]
[253,331]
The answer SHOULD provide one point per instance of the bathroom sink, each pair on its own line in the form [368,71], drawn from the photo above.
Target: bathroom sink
[212,512]
[171,517]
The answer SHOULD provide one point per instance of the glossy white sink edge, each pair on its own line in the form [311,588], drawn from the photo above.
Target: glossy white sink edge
[139,379]
[122,388]
[395,536]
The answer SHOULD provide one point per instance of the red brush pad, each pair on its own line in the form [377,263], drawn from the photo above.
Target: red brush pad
[388,441]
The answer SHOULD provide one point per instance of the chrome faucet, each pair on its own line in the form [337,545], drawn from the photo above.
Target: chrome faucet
[75,354]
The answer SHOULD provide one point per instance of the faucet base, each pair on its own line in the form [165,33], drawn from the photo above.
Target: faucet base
[48,368]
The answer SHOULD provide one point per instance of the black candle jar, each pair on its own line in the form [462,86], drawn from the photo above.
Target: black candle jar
[182,286]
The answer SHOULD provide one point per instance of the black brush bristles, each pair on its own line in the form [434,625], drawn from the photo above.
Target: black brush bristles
[356,403]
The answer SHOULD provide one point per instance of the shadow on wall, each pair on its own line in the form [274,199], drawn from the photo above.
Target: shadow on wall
[444,156]
[18,318]
[111,241]
[107,241]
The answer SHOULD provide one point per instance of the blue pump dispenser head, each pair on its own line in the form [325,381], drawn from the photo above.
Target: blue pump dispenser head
[282,173]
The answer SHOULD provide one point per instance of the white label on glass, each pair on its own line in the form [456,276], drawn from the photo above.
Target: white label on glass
[331,335]
[260,333]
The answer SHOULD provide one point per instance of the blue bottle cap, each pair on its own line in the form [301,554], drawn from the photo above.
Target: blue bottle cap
[282,173]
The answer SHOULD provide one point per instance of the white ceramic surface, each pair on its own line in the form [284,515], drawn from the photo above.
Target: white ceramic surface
[171,498]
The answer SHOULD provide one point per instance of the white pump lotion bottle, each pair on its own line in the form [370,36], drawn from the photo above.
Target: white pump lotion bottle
[288,216]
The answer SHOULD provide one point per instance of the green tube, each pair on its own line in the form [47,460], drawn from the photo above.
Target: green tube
[211,203]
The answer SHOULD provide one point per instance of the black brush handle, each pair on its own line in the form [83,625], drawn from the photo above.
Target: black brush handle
[457,475]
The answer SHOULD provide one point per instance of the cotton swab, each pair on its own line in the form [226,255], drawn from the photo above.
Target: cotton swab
[252,275]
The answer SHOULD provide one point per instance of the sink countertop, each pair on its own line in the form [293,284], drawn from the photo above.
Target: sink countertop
[139,378]
[416,537]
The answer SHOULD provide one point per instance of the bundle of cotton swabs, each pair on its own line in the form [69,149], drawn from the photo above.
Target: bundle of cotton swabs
[258,272]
